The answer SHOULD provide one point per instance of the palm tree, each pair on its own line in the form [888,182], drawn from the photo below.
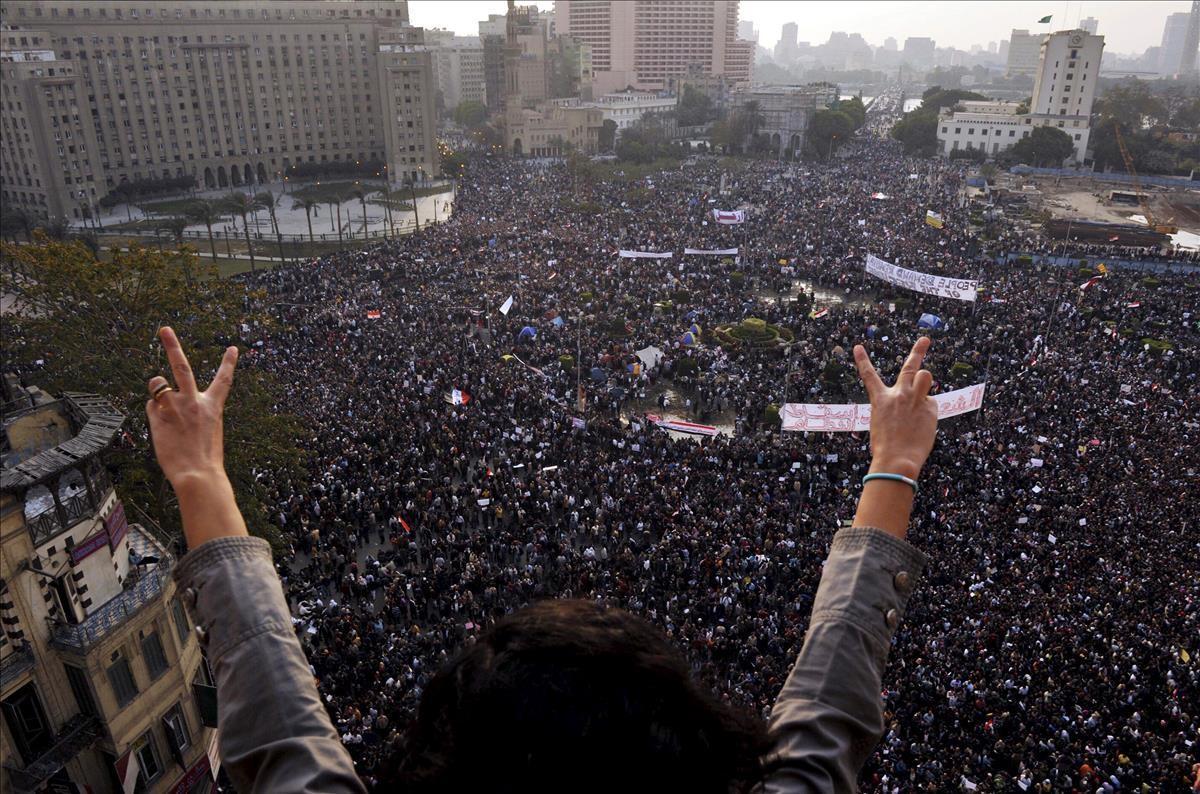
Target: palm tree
[208,212]
[308,204]
[175,225]
[269,202]
[361,192]
[334,199]
[245,205]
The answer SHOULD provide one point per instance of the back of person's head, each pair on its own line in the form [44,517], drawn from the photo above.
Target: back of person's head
[570,696]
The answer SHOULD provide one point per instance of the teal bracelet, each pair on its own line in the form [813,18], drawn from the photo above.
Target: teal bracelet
[894,477]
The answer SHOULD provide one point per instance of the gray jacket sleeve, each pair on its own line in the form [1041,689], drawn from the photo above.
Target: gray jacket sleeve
[274,733]
[829,715]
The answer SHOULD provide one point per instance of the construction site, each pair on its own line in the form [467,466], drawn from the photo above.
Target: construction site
[1094,209]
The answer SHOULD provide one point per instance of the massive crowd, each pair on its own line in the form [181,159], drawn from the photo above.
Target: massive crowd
[1047,648]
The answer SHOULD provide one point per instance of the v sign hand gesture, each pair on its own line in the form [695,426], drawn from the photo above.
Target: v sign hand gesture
[903,427]
[187,430]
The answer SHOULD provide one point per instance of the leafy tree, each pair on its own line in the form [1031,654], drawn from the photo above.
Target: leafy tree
[721,135]
[917,129]
[695,107]
[608,135]
[1187,115]
[854,108]
[1132,104]
[13,220]
[1045,146]
[93,323]
[470,114]
[245,205]
[208,212]
[644,142]
[826,129]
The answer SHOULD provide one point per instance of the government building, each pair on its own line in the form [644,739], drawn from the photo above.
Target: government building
[233,94]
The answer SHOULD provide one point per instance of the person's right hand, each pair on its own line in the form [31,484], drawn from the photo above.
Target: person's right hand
[903,416]
[185,423]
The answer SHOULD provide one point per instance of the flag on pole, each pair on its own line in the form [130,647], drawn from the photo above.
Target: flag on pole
[1045,20]
[1091,282]
[507,307]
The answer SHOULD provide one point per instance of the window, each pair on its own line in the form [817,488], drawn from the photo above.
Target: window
[181,621]
[81,689]
[156,660]
[121,679]
[147,756]
[176,729]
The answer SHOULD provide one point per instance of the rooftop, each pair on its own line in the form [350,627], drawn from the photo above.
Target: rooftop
[45,438]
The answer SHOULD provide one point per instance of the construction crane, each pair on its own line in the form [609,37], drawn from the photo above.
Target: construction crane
[1161,228]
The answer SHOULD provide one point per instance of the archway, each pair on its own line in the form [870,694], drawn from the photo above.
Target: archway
[235,175]
[222,180]
[262,174]
[249,175]
[209,181]
[517,146]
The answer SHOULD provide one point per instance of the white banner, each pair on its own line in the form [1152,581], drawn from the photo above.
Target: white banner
[644,254]
[856,418]
[961,288]
[729,217]
[711,251]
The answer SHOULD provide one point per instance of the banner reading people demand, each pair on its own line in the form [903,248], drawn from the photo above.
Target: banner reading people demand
[960,288]
[856,418]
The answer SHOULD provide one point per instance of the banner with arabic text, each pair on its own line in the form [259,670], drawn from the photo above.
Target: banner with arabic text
[960,288]
[856,418]
[729,217]
[711,251]
[625,254]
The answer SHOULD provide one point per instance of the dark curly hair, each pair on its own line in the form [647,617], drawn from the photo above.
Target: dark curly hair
[572,696]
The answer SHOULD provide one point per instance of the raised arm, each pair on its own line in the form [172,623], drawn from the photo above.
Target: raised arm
[275,734]
[829,715]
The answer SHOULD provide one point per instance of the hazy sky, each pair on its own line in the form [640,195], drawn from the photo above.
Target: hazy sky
[1128,27]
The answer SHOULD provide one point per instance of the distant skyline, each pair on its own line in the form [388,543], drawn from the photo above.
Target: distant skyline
[1128,27]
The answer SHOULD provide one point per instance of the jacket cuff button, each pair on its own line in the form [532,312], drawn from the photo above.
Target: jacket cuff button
[893,618]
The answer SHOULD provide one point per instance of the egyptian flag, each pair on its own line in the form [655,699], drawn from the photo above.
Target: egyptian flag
[404,524]
[817,314]
[1091,282]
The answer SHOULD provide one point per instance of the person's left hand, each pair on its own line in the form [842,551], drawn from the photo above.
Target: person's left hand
[185,423]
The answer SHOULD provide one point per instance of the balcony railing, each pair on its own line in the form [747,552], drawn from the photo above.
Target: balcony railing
[78,733]
[46,524]
[82,636]
[14,664]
